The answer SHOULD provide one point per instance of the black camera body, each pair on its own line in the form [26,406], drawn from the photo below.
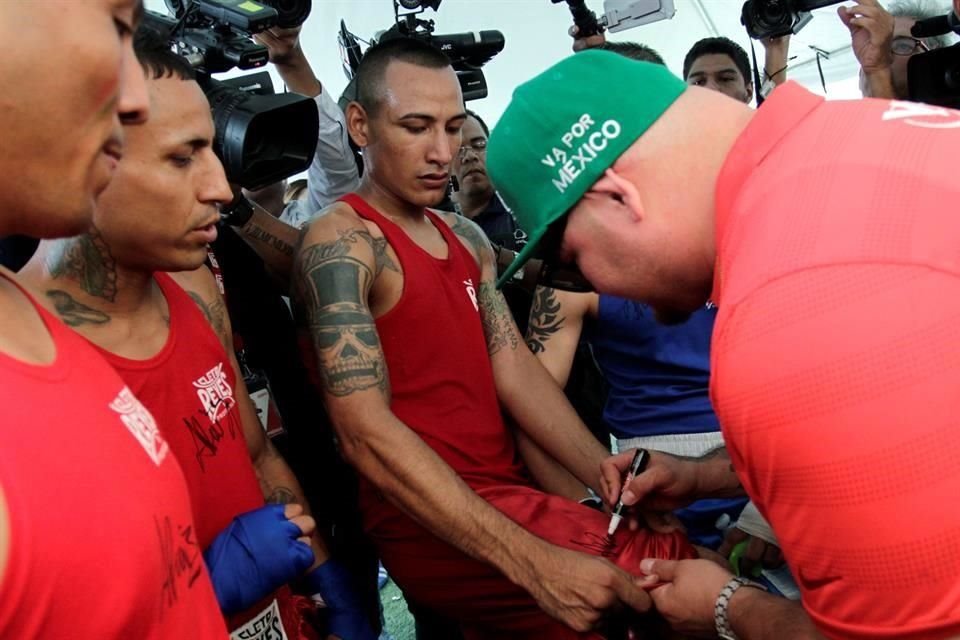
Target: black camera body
[467,51]
[933,77]
[261,137]
[775,18]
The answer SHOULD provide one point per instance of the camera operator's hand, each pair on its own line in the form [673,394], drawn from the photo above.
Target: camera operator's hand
[287,55]
[283,44]
[871,34]
[579,44]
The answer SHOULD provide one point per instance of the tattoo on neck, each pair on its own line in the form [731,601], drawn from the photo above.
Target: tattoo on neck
[332,287]
[498,324]
[73,313]
[88,260]
[545,319]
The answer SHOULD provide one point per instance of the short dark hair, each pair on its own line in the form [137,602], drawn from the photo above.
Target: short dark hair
[634,51]
[373,66]
[721,45]
[155,56]
[483,125]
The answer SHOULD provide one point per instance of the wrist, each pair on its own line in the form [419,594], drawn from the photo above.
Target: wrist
[715,478]
[293,58]
[739,608]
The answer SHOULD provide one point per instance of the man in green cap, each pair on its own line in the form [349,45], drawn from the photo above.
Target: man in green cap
[801,221]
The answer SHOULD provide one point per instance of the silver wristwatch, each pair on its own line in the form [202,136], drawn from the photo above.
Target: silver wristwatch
[720,610]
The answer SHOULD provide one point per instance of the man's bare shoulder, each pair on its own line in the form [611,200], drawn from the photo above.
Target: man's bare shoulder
[202,288]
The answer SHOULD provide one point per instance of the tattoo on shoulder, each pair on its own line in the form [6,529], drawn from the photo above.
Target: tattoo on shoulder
[498,324]
[332,286]
[281,495]
[73,313]
[545,319]
[470,232]
[87,259]
[215,313]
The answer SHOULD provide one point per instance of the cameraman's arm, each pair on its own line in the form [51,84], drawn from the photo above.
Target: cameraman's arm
[291,63]
[272,239]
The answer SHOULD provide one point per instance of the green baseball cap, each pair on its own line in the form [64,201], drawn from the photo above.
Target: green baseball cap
[567,126]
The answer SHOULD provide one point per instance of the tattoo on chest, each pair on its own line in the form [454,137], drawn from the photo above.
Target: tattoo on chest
[545,319]
[498,324]
[332,286]
[73,313]
[88,260]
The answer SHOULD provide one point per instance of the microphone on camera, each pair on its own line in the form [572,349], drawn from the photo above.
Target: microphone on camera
[938,26]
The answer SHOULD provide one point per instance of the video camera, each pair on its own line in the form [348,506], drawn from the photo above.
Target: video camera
[618,15]
[261,137]
[933,77]
[775,18]
[467,51]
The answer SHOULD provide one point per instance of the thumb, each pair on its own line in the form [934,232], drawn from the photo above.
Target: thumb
[630,594]
[666,570]
[641,485]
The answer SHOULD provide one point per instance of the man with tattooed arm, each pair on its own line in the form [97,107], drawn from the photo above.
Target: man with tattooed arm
[169,337]
[417,352]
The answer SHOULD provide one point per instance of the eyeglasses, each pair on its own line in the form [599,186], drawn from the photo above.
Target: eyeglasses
[907,46]
[554,272]
[478,145]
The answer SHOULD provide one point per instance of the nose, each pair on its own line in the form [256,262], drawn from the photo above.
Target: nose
[215,189]
[443,147]
[133,102]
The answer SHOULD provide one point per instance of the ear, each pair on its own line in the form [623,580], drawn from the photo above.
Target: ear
[614,184]
[749,92]
[358,124]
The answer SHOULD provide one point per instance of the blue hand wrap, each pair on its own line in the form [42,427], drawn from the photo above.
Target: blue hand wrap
[346,617]
[255,555]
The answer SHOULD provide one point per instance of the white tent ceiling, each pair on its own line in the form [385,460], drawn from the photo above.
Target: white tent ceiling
[536,36]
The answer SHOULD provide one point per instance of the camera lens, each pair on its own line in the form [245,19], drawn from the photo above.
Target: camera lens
[290,13]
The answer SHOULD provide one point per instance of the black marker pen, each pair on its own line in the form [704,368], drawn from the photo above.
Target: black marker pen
[640,460]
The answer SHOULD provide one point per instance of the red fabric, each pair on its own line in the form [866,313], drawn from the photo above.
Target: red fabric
[836,356]
[102,542]
[190,387]
[442,385]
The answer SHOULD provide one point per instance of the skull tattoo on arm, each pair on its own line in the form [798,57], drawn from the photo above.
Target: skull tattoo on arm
[333,286]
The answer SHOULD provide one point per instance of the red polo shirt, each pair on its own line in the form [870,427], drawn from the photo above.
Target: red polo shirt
[836,354]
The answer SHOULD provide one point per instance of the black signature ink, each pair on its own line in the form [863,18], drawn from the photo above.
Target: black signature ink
[206,440]
[601,545]
[181,557]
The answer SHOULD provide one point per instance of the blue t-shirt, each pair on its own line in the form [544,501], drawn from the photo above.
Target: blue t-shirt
[659,375]
[659,380]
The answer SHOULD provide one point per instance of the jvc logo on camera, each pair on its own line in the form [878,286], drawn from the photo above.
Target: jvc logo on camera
[570,160]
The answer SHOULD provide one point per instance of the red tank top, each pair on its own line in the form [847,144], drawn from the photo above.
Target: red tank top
[102,541]
[440,373]
[190,388]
